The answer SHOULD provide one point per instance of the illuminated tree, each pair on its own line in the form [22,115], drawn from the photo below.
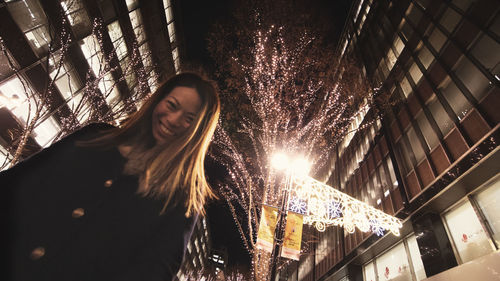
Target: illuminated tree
[99,99]
[284,89]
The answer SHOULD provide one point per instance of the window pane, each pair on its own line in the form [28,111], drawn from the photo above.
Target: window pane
[391,59]
[406,87]
[456,99]
[369,272]
[429,134]
[489,202]
[20,100]
[469,238]
[107,10]
[405,155]
[437,39]
[393,265]
[390,167]
[472,78]
[440,116]
[487,52]
[415,144]
[39,39]
[450,19]
[406,30]
[426,57]
[131,4]
[416,260]
[414,14]
[28,14]
[415,73]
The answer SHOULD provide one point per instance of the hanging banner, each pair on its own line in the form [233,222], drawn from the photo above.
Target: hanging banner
[293,236]
[267,226]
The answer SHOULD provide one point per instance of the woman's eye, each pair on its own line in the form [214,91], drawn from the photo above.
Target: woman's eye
[171,105]
[189,120]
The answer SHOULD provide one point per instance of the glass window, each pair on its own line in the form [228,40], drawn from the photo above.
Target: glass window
[469,238]
[116,35]
[77,16]
[92,51]
[415,144]
[175,56]
[416,260]
[425,56]
[107,10]
[487,52]
[472,78]
[450,20]
[398,45]
[383,180]
[456,99]
[18,97]
[415,73]
[404,152]
[369,272]
[414,14]
[406,87]
[391,59]
[171,32]
[131,4]
[440,116]
[29,16]
[136,21]
[393,265]
[406,30]
[390,168]
[488,200]
[437,39]
[168,10]
[427,131]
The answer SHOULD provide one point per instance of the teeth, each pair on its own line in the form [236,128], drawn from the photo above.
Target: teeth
[165,130]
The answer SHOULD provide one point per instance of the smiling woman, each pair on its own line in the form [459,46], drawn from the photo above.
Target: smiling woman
[110,203]
[175,113]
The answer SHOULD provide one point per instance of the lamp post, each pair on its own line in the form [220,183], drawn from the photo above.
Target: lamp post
[296,166]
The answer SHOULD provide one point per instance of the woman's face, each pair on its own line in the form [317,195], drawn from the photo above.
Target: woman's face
[175,113]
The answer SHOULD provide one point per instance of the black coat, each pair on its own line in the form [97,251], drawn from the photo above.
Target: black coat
[72,215]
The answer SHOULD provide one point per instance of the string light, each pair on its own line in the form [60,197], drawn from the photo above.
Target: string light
[323,206]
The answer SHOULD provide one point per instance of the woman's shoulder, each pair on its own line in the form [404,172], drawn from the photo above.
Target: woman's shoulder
[90,131]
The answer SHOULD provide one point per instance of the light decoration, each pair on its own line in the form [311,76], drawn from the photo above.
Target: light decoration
[323,206]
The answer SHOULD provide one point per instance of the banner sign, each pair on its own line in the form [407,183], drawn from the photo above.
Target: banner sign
[267,226]
[293,236]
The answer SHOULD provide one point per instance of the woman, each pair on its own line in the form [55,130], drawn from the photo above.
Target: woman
[111,203]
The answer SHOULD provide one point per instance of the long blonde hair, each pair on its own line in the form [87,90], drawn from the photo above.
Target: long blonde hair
[174,171]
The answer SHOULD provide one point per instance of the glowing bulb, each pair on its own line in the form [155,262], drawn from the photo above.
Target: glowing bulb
[280,161]
[300,166]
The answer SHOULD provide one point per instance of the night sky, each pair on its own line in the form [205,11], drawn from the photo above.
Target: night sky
[197,18]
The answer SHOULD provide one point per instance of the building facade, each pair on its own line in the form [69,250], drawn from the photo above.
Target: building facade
[433,159]
[63,63]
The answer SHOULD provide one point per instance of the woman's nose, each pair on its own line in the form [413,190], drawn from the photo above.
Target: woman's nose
[175,118]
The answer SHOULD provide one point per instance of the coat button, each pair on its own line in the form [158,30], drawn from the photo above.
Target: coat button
[37,253]
[108,183]
[78,212]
